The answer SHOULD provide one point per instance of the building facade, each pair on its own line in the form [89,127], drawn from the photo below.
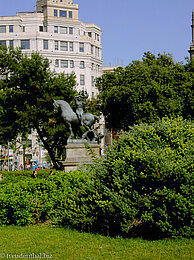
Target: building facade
[55,31]
[24,154]
[191,51]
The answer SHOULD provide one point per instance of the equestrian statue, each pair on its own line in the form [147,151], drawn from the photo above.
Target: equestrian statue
[77,118]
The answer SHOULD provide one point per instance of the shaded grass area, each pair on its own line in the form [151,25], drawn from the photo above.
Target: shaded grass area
[50,242]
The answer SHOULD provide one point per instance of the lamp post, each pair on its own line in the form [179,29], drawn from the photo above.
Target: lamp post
[8,156]
[24,150]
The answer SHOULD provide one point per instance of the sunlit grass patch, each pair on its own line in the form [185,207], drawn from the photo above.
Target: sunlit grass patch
[60,243]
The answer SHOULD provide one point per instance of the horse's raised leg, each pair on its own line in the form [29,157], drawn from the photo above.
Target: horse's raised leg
[71,131]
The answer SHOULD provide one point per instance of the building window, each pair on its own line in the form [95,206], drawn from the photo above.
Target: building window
[81,47]
[89,34]
[96,51]
[45,44]
[56,45]
[2,29]
[70,14]
[55,12]
[2,43]
[82,80]
[97,37]
[11,43]
[64,46]
[25,44]
[71,46]
[92,49]
[23,29]
[63,30]
[92,81]
[11,28]
[63,13]
[70,30]
[71,64]
[92,66]
[55,29]
[64,63]
[82,65]
[41,28]
[56,63]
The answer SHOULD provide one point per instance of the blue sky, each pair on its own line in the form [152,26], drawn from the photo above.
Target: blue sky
[131,27]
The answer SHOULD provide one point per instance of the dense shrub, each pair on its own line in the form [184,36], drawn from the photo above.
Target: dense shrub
[148,178]
[25,200]
[142,187]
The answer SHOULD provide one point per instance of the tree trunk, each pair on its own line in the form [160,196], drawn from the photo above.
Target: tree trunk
[56,164]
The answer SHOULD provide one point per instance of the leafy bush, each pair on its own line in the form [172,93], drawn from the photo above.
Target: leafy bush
[148,178]
[65,198]
[142,187]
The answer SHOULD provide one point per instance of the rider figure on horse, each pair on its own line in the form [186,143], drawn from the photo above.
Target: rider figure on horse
[80,102]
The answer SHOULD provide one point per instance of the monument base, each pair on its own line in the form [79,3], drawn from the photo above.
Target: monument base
[76,153]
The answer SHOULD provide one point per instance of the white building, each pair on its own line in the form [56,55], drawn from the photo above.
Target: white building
[55,31]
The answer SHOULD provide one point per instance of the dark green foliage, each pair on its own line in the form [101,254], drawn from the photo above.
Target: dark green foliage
[27,91]
[146,91]
[148,177]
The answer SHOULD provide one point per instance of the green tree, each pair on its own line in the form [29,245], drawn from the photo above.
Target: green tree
[27,90]
[146,90]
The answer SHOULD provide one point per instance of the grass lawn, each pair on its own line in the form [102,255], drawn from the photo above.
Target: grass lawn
[48,242]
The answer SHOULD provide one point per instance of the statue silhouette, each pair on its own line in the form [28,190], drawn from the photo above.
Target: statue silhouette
[79,118]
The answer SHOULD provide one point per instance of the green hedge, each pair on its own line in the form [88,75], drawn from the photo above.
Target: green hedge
[142,187]
[25,200]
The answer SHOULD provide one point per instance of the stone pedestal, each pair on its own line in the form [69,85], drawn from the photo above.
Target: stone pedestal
[76,153]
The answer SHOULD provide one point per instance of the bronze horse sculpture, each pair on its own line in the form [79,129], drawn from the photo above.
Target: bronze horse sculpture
[70,117]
